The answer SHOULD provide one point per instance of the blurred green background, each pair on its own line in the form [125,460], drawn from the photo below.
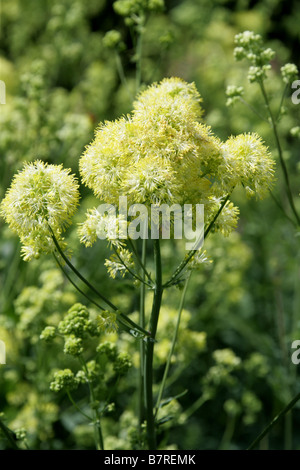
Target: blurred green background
[242,311]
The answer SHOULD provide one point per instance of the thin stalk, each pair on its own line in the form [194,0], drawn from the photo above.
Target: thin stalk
[175,376]
[77,407]
[282,162]
[253,109]
[134,325]
[175,335]
[124,317]
[112,391]
[78,274]
[75,285]
[208,229]
[139,51]
[288,421]
[121,73]
[268,428]
[139,260]
[282,209]
[228,433]
[97,423]
[196,405]
[158,291]
[141,403]
[288,431]
[281,102]
[133,274]
[191,253]
[9,282]
[9,435]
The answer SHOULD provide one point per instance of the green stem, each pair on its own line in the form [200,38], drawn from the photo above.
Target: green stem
[9,435]
[288,431]
[77,407]
[141,403]
[82,278]
[228,433]
[158,291]
[124,317]
[282,209]
[139,49]
[112,391]
[10,280]
[133,274]
[274,421]
[191,253]
[139,260]
[196,405]
[281,101]
[281,159]
[175,335]
[75,285]
[134,325]
[97,424]
[121,73]
[252,109]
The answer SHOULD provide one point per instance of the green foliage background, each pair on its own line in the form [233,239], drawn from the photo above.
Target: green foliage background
[242,312]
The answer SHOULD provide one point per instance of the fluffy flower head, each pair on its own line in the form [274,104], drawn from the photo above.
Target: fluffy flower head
[248,162]
[40,196]
[163,154]
[156,155]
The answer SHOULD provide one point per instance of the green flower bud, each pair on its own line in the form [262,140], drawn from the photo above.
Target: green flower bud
[257,74]
[156,4]
[63,379]
[109,349]
[267,55]
[81,377]
[21,434]
[250,46]
[289,73]
[48,334]
[93,370]
[239,53]
[75,326]
[233,93]
[111,407]
[137,7]
[113,40]
[76,322]
[73,346]
[226,357]
[79,310]
[248,39]
[92,328]
[232,408]
[122,364]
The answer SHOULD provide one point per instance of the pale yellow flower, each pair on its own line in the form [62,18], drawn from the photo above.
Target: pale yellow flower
[163,154]
[40,196]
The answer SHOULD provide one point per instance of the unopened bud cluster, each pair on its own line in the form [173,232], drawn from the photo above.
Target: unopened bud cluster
[250,46]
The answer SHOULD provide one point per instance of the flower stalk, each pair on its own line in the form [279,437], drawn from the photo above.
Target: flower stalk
[141,378]
[157,298]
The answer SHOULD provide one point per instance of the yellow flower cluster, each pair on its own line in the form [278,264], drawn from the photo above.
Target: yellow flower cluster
[162,153]
[159,154]
[40,196]
[247,162]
